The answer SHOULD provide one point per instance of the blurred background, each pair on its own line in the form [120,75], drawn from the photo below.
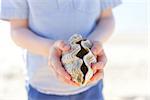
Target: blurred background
[126,74]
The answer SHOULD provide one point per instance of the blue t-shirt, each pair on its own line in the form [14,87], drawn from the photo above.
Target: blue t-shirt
[57,20]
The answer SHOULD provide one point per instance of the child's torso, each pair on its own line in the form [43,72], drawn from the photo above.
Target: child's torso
[58,19]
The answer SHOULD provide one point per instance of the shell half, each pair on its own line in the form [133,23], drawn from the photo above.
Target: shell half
[78,60]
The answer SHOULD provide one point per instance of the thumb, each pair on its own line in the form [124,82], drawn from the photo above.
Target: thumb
[96,48]
[60,44]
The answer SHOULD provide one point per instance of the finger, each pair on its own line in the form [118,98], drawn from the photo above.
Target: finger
[97,66]
[97,48]
[61,72]
[70,82]
[62,45]
[97,76]
[101,58]
[57,66]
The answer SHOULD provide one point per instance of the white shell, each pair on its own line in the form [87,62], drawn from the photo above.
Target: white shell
[78,60]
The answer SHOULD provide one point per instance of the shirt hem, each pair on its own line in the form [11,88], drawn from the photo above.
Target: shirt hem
[63,92]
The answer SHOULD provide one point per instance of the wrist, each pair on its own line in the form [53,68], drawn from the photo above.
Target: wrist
[49,46]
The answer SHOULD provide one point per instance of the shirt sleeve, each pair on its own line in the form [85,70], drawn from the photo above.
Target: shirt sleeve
[105,4]
[14,9]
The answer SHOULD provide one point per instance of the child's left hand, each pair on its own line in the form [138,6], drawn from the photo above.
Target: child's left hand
[97,67]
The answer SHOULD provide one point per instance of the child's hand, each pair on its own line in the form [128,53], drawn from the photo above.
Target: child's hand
[98,51]
[54,61]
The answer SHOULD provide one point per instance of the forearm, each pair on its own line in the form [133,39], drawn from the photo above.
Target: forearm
[25,38]
[103,30]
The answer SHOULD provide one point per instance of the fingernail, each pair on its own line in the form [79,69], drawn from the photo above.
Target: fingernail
[93,49]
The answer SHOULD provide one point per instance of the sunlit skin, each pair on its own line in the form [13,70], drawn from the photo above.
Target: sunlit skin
[25,38]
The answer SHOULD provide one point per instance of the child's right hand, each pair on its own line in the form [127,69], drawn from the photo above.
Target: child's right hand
[54,61]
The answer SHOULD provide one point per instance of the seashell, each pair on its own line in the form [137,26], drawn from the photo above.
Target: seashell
[78,60]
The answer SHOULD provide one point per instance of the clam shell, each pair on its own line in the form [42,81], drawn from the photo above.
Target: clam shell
[78,60]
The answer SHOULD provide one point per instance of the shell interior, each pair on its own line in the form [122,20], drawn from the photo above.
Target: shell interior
[81,54]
